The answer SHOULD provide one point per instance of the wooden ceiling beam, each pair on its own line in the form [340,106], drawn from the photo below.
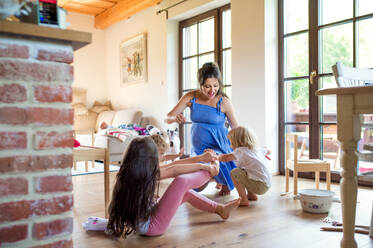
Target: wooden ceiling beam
[94,3]
[122,10]
[79,8]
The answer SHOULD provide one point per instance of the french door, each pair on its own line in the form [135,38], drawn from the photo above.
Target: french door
[313,36]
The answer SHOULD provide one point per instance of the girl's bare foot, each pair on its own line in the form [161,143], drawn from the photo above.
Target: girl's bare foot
[224,210]
[224,190]
[251,196]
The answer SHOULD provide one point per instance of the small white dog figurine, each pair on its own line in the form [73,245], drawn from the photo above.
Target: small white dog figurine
[174,141]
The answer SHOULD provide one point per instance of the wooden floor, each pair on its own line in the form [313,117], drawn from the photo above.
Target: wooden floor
[273,221]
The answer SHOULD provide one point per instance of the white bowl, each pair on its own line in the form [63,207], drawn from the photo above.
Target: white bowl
[316,200]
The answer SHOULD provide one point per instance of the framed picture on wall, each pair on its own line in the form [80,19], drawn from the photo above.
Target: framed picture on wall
[133,60]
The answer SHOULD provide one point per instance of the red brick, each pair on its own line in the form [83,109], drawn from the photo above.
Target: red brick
[13,51]
[11,211]
[53,93]
[46,230]
[13,116]
[56,55]
[50,116]
[13,234]
[35,163]
[33,71]
[58,244]
[13,140]
[13,186]
[10,93]
[56,205]
[49,184]
[50,140]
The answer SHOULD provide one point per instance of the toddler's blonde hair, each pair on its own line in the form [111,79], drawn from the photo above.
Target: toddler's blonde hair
[160,142]
[242,137]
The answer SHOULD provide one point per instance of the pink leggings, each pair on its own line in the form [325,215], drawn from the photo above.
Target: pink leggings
[178,192]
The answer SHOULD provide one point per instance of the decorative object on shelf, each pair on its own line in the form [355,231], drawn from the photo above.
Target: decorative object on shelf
[8,8]
[133,60]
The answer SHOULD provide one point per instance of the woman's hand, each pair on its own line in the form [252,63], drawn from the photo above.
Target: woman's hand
[180,118]
[208,157]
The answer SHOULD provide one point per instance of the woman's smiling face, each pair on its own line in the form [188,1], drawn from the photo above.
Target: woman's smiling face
[210,88]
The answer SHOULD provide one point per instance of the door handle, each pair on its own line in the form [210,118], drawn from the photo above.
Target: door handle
[312,76]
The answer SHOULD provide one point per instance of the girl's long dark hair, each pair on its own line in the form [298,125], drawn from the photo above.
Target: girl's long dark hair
[133,195]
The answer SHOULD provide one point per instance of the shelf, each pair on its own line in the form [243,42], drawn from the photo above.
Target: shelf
[77,39]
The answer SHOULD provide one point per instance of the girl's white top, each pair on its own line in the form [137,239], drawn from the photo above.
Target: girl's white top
[254,163]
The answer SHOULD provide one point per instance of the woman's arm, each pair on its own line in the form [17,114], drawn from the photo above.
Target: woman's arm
[226,157]
[179,169]
[175,115]
[203,158]
[227,108]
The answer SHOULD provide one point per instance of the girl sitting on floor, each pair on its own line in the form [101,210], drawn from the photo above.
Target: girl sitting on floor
[134,208]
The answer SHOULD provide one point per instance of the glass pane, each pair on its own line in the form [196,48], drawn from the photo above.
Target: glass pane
[228,92]
[189,40]
[335,10]
[328,103]
[365,45]
[227,29]
[365,145]
[187,139]
[303,140]
[330,148]
[336,45]
[365,7]
[295,15]
[296,101]
[296,55]
[190,69]
[227,67]
[206,36]
[204,59]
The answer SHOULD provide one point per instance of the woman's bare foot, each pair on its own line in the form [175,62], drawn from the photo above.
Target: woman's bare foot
[214,169]
[224,210]
[251,196]
[224,190]
[244,202]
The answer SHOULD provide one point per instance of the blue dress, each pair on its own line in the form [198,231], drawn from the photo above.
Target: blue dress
[209,131]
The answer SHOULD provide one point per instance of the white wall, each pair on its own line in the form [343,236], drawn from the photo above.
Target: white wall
[150,96]
[254,70]
[89,61]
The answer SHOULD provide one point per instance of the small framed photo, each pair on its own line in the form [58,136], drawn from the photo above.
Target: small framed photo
[133,60]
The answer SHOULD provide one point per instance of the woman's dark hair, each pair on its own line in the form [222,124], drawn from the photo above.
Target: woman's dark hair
[133,195]
[210,70]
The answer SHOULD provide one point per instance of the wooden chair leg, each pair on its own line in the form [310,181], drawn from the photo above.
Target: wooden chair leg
[86,166]
[74,164]
[295,182]
[287,180]
[317,179]
[93,163]
[328,177]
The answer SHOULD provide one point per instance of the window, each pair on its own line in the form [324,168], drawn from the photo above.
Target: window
[314,35]
[203,38]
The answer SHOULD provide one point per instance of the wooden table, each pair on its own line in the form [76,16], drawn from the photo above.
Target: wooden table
[351,103]
[84,153]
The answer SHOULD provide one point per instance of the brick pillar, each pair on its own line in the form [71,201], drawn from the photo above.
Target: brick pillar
[36,142]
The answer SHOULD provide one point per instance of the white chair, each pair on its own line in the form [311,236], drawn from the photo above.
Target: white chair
[348,76]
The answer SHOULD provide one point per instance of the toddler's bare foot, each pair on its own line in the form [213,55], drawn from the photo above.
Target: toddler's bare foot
[225,210]
[224,190]
[218,186]
[251,196]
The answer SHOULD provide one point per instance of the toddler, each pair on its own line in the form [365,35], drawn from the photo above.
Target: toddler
[251,172]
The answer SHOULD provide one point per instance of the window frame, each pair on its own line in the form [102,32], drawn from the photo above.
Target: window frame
[217,14]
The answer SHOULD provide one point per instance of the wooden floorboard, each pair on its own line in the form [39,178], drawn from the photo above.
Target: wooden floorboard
[273,221]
